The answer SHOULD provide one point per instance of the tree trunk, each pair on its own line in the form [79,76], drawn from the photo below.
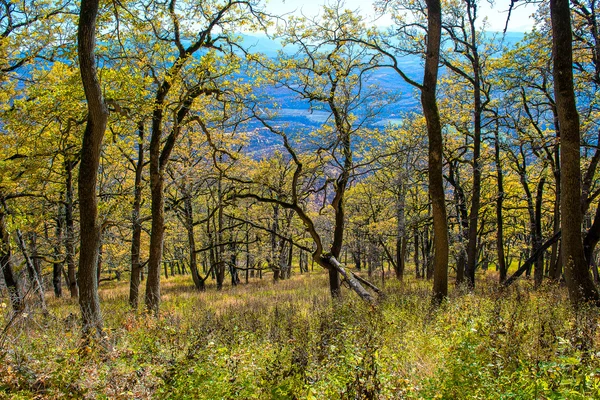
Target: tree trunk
[34,276]
[416,254]
[70,230]
[434,133]
[463,221]
[100,257]
[401,226]
[88,171]
[11,281]
[247,251]
[57,266]
[579,282]
[152,297]
[554,255]
[591,239]
[189,225]
[136,224]
[476,192]
[499,202]
[35,257]
[538,273]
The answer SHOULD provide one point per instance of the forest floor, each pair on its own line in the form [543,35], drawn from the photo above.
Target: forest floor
[289,340]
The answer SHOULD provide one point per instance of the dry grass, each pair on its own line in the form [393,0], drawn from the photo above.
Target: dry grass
[289,340]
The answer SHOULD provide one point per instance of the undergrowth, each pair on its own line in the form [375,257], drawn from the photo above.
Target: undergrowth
[291,341]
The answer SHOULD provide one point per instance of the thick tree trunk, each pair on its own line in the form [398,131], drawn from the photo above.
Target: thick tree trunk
[136,224]
[579,282]
[434,133]
[88,170]
[152,296]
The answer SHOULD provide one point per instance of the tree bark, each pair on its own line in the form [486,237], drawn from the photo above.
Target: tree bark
[401,226]
[189,226]
[57,266]
[476,193]
[538,273]
[10,279]
[89,301]
[434,133]
[34,277]
[499,204]
[579,282]
[136,224]
[70,230]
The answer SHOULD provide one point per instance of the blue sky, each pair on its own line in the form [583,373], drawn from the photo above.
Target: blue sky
[496,16]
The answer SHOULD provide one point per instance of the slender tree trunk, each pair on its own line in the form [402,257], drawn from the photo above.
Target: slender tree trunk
[416,254]
[34,276]
[579,282]
[463,221]
[35,257]
[189,225]
[220,246]
[136,224]
[538,273]
[100,257]
[10,279]
[57,266]
[247,251]
[476,192]
[288,271]
[554,255]
[70,231]
[88,171]
[592,237]
[274,248]
[401,226]
[434,133]
[499,204]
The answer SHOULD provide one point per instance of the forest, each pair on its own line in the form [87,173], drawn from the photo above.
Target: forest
[213,200]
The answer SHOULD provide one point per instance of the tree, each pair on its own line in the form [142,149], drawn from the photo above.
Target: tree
[87,279]
[408,39]
[187,88]
[434,133]
[579,282]
[330,73]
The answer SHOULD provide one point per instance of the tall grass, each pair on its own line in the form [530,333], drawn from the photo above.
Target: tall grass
[291,341]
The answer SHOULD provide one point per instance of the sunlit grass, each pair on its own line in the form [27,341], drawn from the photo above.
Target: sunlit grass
[290,340]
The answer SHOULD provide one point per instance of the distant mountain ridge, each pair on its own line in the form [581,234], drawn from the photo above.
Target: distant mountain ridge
[298,115]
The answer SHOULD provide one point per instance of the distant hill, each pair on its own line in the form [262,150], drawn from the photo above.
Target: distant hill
[297,115]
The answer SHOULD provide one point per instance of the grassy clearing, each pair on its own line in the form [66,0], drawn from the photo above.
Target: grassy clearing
[289,340]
